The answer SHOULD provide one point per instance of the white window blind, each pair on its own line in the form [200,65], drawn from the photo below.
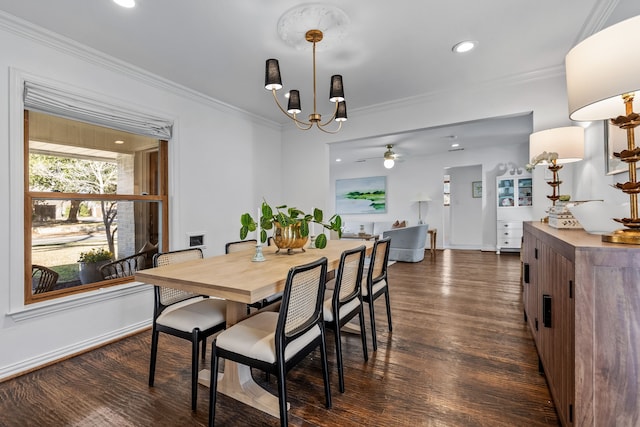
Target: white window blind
[47,99]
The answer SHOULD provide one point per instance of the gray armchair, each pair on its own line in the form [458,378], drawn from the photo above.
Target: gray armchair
[407,243]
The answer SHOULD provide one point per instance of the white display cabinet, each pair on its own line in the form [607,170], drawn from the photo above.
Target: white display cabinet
[515,205]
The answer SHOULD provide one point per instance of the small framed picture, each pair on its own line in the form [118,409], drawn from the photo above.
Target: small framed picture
[476,189]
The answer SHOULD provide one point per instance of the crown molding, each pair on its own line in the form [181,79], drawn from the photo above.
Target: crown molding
[30,31]
[597,19]
[500,82]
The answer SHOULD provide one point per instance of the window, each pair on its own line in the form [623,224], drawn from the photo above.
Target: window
[89,191]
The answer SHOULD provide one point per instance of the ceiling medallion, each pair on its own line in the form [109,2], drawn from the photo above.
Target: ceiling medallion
[331,20]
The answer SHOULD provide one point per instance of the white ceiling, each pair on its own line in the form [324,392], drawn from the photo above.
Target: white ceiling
[392,51]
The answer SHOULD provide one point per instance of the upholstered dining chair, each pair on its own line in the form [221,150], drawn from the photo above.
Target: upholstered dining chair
[43,279]
[376,283]
[344,302]
[243,245]
[184,315]
[240,245]
[276,342]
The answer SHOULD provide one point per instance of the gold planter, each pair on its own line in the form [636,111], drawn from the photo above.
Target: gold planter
[289,238]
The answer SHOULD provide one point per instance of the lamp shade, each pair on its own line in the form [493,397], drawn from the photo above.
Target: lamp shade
[421,197]
[568,142]
[272,79]
[336,93]
[388,163]
[294,102]
[341,114]
[600,69]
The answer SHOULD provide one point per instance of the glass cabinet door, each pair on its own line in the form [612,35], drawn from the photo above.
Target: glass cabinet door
[506,196]
[525,186]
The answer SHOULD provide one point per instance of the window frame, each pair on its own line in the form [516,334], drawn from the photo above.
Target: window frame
[29,196]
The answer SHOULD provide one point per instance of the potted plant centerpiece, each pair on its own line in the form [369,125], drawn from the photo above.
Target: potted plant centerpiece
[90,263]
[290,225]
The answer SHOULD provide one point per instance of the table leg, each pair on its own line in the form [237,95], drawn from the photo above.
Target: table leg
[433,234]
[237,382]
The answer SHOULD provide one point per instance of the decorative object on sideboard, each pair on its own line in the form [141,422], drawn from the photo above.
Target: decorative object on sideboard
[555,147]
[333,20]
[602,75]
[421,198]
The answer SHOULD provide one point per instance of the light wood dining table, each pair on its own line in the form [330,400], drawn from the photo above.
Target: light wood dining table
[241,281]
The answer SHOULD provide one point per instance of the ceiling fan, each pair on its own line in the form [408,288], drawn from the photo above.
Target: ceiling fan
[389,157]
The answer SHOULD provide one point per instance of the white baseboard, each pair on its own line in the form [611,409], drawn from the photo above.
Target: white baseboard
[44,359]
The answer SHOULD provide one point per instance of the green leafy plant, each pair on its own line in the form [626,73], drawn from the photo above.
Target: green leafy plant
[289,216]
[95,255]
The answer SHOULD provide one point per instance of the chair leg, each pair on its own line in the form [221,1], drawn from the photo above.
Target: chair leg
[152,359]
[194,367]
[336,330]
[204,348]
[372,317]
[282,394]
[363,335]
[325,368]
[213,386]
[386,297]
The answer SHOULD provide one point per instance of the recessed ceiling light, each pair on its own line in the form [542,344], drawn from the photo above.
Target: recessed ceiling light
[338,160]
[464,46]
[455,145]
[125,3]
[119,141]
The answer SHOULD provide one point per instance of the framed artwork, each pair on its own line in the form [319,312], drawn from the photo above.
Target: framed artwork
[476,189]
[615,140]
[361,195]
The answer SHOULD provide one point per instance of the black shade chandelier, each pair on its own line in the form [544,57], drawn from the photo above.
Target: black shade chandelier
[273,82]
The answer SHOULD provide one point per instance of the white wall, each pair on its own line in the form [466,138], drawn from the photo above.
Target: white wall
[222,161]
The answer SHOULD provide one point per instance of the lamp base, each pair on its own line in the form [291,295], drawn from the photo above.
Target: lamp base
[628,236]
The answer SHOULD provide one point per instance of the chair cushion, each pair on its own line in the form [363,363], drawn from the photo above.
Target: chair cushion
[255,337]
[344,310]
[376,287]
[194,313]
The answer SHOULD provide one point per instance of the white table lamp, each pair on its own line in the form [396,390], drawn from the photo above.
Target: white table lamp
[566,142]
[603,72]
[421,198]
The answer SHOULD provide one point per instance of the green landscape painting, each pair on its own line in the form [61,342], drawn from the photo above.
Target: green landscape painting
[361,195]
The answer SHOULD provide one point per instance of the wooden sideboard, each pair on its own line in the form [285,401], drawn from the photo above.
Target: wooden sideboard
[582,303]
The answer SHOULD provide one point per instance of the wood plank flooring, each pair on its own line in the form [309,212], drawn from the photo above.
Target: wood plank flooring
[460,354]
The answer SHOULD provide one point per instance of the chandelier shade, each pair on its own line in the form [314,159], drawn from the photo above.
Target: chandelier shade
[337,92]
[341,114]
[272,79]
[273,82]
[293,107]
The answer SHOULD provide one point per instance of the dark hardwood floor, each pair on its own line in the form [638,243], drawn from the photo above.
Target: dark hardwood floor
[460,355]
